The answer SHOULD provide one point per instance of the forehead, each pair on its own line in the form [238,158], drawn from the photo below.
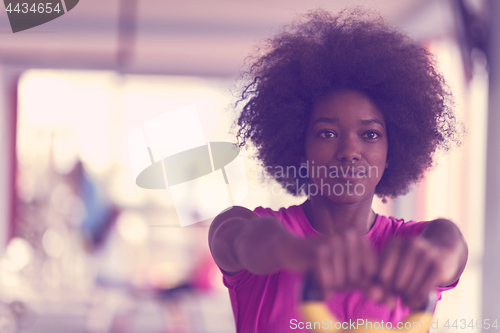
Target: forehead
[347,104]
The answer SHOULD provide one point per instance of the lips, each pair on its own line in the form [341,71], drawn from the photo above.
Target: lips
[356,176]
[351,171]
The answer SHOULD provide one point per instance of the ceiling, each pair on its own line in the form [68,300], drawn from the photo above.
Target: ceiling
[180,37]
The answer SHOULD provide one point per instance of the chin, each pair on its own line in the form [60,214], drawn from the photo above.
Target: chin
[346,199]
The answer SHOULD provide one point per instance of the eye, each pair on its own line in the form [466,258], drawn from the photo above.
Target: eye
[327,134]
[372,135]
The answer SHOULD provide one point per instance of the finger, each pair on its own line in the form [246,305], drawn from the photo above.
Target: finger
[419,274]
[406,268]
[369,262]
[324,275]
[369,284]
[388,263]
[353,259]
[375,292]
[421,297]
[338,263]
[391,301]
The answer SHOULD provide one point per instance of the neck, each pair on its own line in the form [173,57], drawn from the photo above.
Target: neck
[328,217]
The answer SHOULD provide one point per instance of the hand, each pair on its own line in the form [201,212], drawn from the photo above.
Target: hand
[409,268]
[340,262]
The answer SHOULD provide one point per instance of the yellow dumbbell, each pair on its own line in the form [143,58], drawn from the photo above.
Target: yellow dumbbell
[316,311]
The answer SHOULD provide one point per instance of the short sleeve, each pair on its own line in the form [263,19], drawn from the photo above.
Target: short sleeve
[410,229]
[238,280]
[261,211]
[232,281]
[439,290]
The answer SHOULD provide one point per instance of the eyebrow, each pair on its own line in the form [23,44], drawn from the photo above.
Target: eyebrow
[336,120]
[326,120]
[372,121]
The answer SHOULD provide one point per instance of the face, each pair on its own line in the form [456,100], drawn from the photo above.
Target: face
[346,147]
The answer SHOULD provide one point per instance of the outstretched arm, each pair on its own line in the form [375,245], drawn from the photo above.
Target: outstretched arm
[452,251]
[239,239]
[414,267]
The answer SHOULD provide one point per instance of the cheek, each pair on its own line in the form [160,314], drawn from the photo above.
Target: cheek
[381,152]
[317,152]
[377,162]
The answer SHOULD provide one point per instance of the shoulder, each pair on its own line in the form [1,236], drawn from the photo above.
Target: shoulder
[400,227]
[230,213]
[387,227]
[239,212]
[281,213]
[292,218]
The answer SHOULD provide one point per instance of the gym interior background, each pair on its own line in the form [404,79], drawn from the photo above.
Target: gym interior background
[83,249]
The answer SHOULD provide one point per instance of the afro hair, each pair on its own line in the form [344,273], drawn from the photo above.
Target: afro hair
[354,50]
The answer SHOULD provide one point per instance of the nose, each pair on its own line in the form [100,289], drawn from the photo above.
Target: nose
[349,150]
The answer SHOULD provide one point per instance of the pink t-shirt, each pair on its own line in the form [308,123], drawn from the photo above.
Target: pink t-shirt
[270,303]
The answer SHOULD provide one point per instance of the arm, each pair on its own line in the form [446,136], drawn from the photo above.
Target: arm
[415,266]
[451,249]
[239,239]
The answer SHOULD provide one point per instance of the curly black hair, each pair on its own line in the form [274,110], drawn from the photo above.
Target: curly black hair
[354,50]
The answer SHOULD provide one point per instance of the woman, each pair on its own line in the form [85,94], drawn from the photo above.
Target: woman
[362,109]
